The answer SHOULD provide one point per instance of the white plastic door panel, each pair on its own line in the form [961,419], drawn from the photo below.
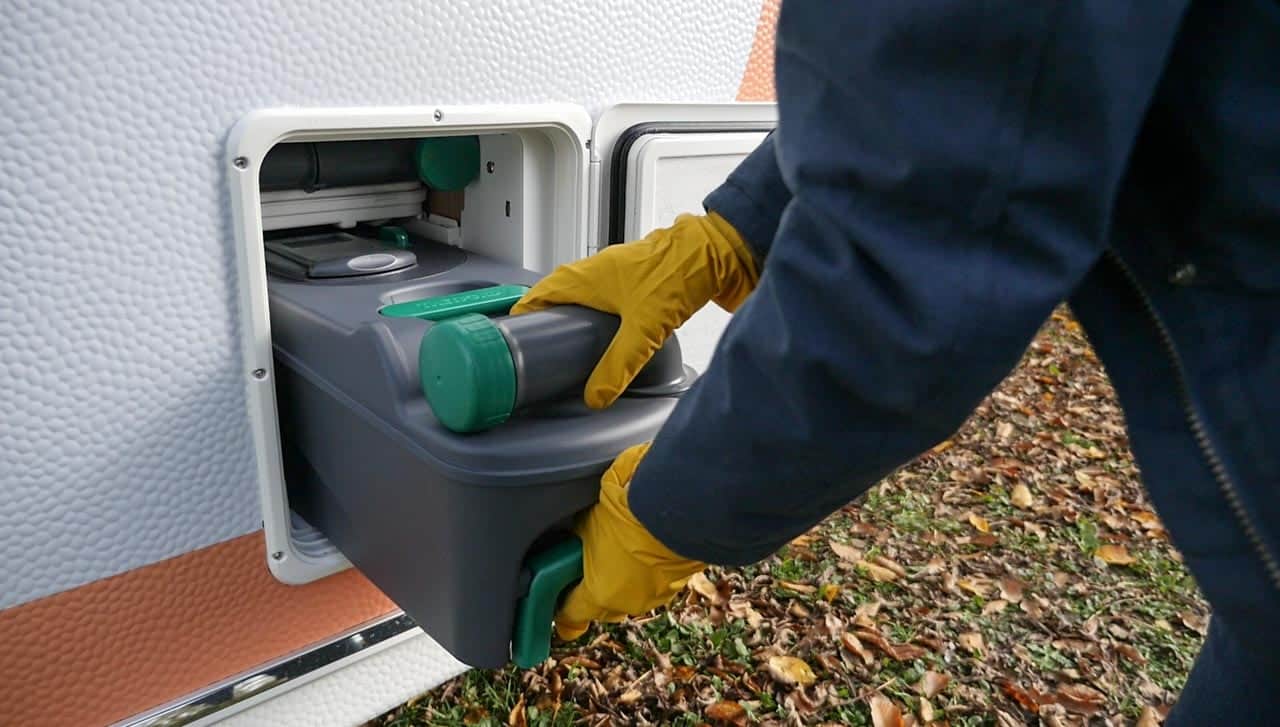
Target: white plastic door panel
[651,162]
[670,174]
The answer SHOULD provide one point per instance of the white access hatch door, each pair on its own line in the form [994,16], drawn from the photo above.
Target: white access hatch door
[652,162]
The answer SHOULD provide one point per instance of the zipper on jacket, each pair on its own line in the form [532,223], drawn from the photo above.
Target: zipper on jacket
[1198,430]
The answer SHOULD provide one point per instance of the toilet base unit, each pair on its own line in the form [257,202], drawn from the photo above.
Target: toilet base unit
[245,508]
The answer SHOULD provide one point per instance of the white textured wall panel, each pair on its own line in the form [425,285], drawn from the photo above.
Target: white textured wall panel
[123,434]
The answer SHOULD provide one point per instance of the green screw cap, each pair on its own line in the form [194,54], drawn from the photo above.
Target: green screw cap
[467,373]
[448,163]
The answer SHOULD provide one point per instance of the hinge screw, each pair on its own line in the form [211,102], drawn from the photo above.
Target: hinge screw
[259,374]
[278,555]
[438,115]
[241,162]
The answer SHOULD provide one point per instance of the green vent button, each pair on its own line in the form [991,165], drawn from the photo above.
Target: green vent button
[489,301]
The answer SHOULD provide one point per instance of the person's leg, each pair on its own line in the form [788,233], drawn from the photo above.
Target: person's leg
[1232,683]
[1238,671]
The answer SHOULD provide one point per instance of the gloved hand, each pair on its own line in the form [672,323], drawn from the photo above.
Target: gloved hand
[654,285]
[626,571]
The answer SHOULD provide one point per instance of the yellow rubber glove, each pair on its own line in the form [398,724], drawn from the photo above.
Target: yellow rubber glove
[626,571]
[654,285]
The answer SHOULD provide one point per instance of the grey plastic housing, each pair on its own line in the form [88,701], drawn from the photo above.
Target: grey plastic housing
[555,350]
[441,522]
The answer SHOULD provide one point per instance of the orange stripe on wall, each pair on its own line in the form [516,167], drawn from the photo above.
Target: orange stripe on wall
[119,646]
[757,79]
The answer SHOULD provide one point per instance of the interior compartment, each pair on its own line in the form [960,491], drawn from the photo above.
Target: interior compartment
[441,522]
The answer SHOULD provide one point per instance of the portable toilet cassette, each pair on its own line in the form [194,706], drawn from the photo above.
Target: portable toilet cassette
[441,444]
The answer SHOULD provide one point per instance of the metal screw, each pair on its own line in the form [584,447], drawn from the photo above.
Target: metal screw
[278,555]
[489,167]
[241,162]
[438,114]
[259,374]
[1184,275]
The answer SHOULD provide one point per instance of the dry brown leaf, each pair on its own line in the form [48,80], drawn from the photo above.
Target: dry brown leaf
[976,586]
[1080,698]
[986,540]
[631,696]
[1195,622]
[802,541]
[932,684]
[1149,717]
[804,588]
[580,661]
[518,717]
[877,573]
[885,713]
[972,641]
[1004,719]
[1147,519]
[867,610]
[979,523]
[1130,653]
[854,645]
[885,562]
[1028,699]
[730,712]
[829,592]
[1011,589]
[790,670]
[995,606]
[897,652]
[926,711]
[834,625]
[1020,497]
[1114,555]
[845,551]
[798,610]
[744,610]
[705,588]
[1004,430]
[942,446]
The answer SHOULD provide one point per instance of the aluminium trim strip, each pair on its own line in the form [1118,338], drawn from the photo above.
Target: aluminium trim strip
[289,670]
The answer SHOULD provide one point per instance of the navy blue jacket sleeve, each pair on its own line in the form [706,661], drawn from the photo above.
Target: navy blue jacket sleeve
[753,198]
[951,169]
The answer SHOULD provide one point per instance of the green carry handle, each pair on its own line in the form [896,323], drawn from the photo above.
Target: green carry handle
[486,301]
[554,570]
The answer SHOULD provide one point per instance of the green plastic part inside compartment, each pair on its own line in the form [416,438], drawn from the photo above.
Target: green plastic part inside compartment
[492,300]
[448,163]
[467,373]
[554,570]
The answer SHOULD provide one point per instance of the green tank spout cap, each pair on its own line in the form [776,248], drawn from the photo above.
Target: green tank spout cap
[467,373]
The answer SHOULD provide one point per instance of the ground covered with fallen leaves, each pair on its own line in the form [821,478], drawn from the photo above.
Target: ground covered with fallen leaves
[1015,574]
